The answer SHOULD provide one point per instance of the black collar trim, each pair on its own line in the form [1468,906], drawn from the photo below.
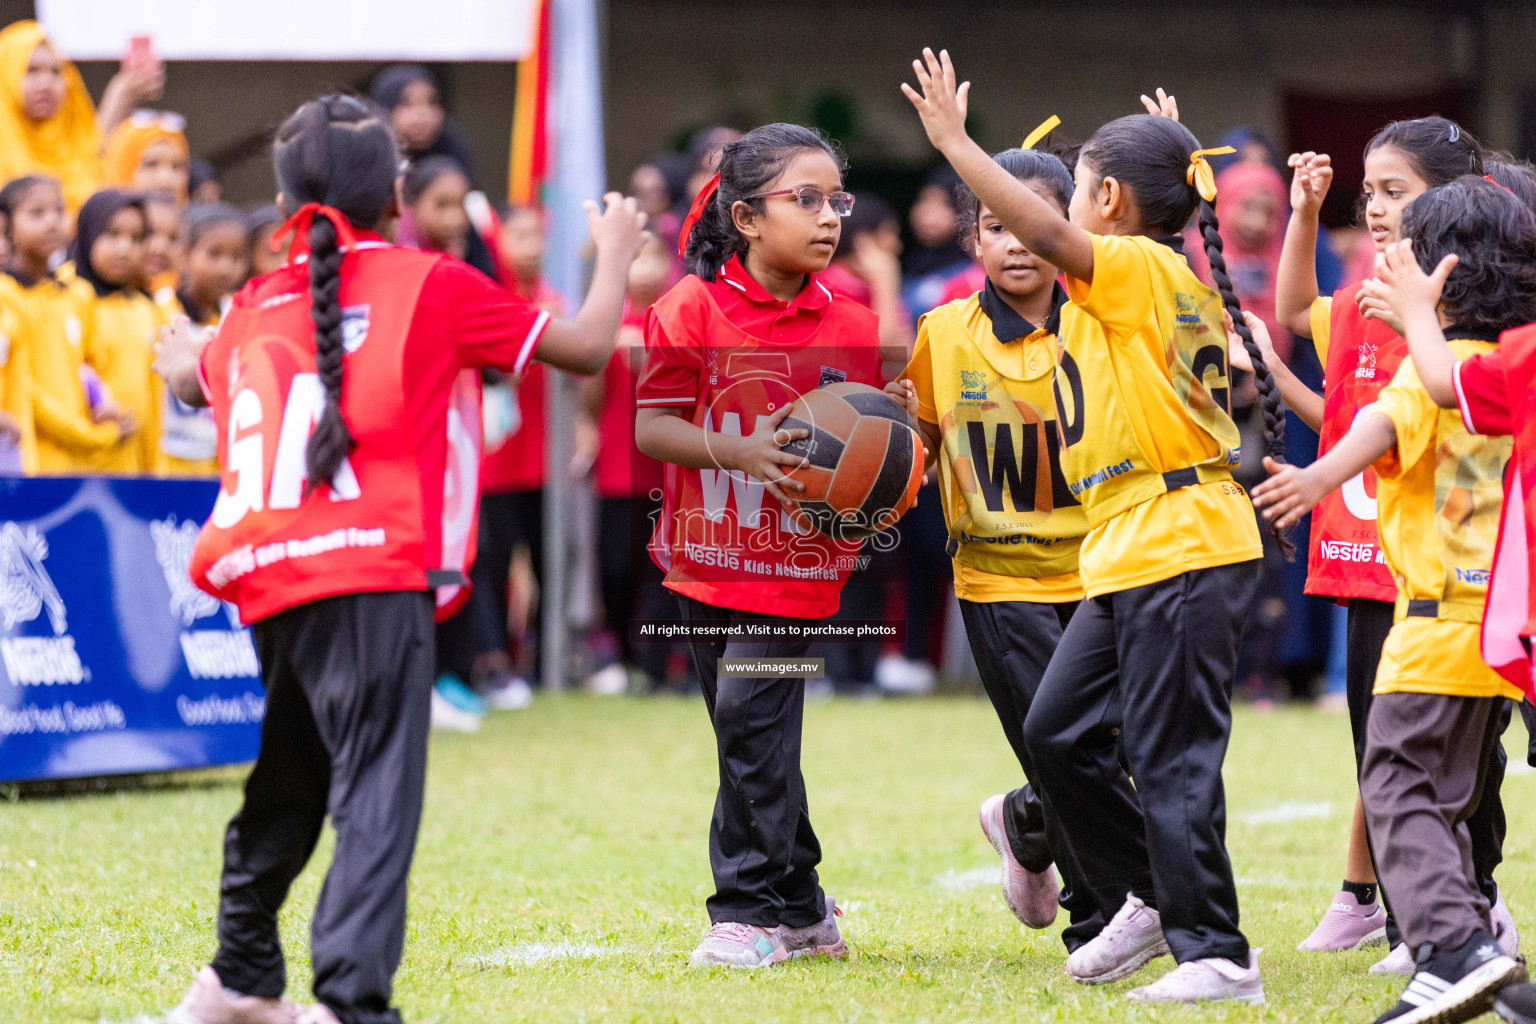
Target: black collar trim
[1007,325]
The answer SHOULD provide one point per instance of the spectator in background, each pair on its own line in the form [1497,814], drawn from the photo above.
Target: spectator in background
[512,487]
[148,153]
[48,124]
[215,261]
[78,427]
[704,158]
[659,185]
[866,267]
[162,246]
[628,485]
[435,217]
[937,255]
[203,185]
[260,225]
[411,96]
[121,321]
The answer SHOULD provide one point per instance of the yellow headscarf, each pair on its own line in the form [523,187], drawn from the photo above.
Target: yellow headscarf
[68,144]
[129,140]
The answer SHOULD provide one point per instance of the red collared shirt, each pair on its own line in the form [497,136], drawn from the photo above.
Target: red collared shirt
[730,353]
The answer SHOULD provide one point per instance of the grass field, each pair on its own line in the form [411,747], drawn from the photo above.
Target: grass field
[562,872]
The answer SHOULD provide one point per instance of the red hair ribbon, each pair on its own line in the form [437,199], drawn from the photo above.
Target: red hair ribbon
[298,226]
[695,212]
[1489,179]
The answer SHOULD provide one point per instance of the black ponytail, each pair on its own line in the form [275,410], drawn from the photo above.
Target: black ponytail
[335,151]
[1269,392]
[747,167]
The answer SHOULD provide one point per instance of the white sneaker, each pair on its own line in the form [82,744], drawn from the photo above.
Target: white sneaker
[895,674]
[1504,928]
[514,696]
[1399,961]
[1205,981]
[446,716]
[317,1014]
[732,944]
[609,682]
[1133,938]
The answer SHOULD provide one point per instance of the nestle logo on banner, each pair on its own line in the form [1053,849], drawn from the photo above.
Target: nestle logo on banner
[210,653]
[27,593]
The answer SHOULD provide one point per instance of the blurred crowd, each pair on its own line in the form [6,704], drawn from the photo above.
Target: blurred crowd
[110,226]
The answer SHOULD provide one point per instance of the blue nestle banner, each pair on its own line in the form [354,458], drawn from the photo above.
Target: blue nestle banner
[111,661]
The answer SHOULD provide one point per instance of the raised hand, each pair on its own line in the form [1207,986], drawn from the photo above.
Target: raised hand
[1310,182]
[1400,287]
[941,103]
[618,227]
[1164,106]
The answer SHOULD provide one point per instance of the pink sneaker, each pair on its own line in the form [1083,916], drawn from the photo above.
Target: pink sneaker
[209,1002]
[819,939]
[1504,928]
[1133,938]
[1398,961]
[732,944]
[1205,981]
[318,1014]
[1347,925]
[1031,895]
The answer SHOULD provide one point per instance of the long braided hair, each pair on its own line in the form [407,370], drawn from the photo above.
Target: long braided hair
[338,152]
[1150,157]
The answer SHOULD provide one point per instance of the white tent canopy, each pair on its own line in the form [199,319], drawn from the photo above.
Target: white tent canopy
[293,29]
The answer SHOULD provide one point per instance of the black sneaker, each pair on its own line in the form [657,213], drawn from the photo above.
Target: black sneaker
[1456,985]
[1516,1004]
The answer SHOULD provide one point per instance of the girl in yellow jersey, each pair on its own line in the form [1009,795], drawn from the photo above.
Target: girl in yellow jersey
[78,428]
[122,323]
[213,265]
[1437,708]
[18,441]
[981,373]
[1170,562]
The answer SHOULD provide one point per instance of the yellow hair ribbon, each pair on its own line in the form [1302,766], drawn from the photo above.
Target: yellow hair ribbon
[1047,126]
[1200,174]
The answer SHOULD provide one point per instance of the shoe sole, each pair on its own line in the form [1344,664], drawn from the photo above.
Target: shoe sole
[1513,1016]
[696,961]
[1002,853]
[1128,968]
[1373,938]
[1470,997]
[1253,1000]
[836,951]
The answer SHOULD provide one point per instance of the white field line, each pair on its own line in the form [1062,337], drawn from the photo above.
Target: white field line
[975,878]
[531,954]
[1284,813]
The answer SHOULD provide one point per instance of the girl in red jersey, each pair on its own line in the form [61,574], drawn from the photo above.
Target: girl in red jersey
[338,387]
[727,351]
[1360,354]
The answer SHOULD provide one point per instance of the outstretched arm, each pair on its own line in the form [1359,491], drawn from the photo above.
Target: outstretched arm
[1290,493]
[1413,297]
[1302,400]
[1296,279]
[942,104]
